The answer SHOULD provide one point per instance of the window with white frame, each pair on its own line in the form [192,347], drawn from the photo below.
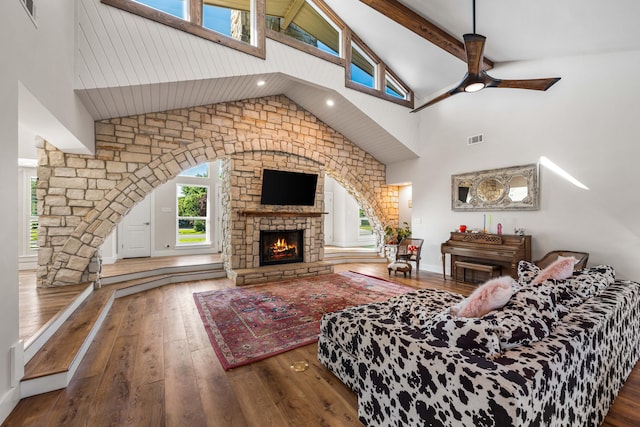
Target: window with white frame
[193,220]
[394,88]
[365,229]
[200,171]
[28,209]
[363,67]
[305,22]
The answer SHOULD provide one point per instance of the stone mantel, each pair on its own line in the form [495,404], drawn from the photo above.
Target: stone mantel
[287,214]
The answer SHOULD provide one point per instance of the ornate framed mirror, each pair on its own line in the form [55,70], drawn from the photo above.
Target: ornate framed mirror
[512,188]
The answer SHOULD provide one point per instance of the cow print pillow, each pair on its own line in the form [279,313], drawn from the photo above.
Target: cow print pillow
[590,281]
[527,272]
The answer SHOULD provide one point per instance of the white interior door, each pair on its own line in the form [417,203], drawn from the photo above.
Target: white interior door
[135,231]
[328,218]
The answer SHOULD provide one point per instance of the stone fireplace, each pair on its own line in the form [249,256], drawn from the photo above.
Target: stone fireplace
[255,234]
[281,247]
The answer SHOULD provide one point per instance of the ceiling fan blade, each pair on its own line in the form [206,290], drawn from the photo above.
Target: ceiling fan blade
[474,46]
[533,84]
[434,100]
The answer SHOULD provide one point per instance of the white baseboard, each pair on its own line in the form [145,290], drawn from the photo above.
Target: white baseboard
[8,402]
[109,260]
[433,268]
[27,262]
[353,243]
[183,251]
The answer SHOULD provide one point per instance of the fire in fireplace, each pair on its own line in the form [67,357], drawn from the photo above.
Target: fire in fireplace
[281,246]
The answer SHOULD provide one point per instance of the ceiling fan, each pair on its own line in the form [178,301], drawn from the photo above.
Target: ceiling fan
[477,79]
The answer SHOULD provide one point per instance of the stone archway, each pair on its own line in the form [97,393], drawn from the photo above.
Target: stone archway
[82,198]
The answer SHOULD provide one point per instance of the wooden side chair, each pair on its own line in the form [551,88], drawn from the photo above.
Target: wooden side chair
[409,250]
[550,257]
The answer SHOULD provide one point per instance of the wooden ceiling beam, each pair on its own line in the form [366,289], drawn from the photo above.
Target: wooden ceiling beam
[409,19]
[291,13]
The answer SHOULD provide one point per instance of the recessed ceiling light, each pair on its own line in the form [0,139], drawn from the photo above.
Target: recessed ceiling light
[330,102]
[261,82]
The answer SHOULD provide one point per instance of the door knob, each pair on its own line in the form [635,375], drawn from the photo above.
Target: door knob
[147,223]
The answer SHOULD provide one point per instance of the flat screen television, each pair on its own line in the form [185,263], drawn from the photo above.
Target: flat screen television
[288,188]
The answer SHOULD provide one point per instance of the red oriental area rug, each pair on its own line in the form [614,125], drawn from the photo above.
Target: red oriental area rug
[252,323]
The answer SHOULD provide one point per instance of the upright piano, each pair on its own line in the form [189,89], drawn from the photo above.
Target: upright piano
[501,250]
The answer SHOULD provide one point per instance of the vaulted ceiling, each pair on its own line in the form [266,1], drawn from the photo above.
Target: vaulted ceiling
[515,29]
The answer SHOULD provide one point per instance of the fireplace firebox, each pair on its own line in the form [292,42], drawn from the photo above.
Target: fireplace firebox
[281,246]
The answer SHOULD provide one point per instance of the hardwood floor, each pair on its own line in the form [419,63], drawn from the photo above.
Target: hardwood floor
[152,364]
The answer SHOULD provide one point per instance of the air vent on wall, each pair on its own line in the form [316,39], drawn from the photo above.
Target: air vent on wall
[475,139]
[30,7]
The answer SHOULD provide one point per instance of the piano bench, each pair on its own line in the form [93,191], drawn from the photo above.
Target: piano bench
[491,270]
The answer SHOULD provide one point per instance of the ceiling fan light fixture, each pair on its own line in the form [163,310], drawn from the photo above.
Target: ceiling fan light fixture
[477,78]
[474,87]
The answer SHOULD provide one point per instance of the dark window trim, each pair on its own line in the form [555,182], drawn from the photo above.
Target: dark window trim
[194,26]
[306,48]
[381,70]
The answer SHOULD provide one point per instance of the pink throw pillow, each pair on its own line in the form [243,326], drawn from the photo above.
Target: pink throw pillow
[492,295]
[560,269]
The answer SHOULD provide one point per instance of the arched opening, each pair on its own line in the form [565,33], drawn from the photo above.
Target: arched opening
[245,143]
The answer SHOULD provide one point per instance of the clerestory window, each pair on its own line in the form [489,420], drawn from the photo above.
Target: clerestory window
[307,25]
[304,22]
[394,88]
[230,18]
[363,67]
[177,8]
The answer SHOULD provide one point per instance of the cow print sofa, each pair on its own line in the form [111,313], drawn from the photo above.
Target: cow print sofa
[555,355]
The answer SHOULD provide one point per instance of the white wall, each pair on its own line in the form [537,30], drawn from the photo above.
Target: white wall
[405,203]
[36,83]
[345,213]
[588,124]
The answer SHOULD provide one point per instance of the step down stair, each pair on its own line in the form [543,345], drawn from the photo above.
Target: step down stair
[58,350]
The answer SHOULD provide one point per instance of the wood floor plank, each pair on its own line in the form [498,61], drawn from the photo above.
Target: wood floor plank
[325,408]
[182,401]
[101,347]
[256,400]
[194,328]
[146,405]
[149,362]
[113,394]
[172,321]
[33,411]
[74,403]
[220,403]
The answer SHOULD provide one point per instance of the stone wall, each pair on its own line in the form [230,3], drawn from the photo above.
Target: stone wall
[82,198]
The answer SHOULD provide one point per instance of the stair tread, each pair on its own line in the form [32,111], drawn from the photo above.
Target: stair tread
[58,353]
[116,278]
